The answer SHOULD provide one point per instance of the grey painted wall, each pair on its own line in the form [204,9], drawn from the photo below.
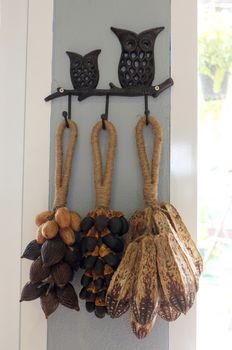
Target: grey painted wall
[81,26]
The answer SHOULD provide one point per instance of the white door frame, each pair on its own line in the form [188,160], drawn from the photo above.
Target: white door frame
[26,69]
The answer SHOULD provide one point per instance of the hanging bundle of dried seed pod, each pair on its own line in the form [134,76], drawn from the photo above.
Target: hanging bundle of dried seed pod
[159,272]
[101,246]
[55,250]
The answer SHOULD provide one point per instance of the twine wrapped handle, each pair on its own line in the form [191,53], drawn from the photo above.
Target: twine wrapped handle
[150,171]
[103,183]
[63,169]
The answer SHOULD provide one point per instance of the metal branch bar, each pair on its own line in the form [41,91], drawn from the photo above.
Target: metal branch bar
[84,93]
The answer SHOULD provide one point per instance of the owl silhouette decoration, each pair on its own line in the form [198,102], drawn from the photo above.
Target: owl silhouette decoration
[84,70]
[137,64]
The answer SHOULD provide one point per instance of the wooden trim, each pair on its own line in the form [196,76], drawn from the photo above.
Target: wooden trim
[183,186]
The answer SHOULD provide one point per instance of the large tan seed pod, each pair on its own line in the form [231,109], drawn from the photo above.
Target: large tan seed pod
[140,330]
[67,235]
[184,235]
[75,221]
[50,229]
[43,217]
[63,217]
[120,289]
[165,310]
[176,277]
[40,239]
[145,294]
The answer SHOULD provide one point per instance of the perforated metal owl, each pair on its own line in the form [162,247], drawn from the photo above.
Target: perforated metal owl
[84,69]
[137,64]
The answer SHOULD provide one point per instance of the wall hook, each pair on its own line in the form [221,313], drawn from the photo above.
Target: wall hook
[105,115]
[146,112]
[65,115]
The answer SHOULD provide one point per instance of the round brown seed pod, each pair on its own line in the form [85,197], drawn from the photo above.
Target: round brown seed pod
[32,291]
[50,229]
[43,217]
[67,235]
[68,297]
[40,239]
[72,257]
[49,303]
[75,221]
[63,217]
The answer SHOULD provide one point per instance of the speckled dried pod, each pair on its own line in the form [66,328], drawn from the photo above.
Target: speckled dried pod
[32,291]
[165,310]
[119,292]
[53,251]
[184,235]
[176,278]
[67,235]
[40,239]
[140,330]
[49,303]
[145,294]
[38,272]
[63,217]
[75,222]
[32,250]
[43,217]
[68,297]
[50,229]
[61,274]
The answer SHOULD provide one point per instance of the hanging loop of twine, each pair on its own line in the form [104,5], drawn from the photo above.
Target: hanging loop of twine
[103,183]
[64,167]
[150,171]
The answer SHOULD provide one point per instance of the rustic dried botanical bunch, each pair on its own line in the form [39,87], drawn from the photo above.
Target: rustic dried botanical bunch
[159,272]
[101,245]
[102,250]
[55,251]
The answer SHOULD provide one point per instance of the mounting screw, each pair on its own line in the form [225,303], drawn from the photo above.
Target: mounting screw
[61,90]
[157,88]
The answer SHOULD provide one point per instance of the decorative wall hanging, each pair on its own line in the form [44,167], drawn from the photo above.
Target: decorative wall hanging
[159,272]
[136,71]
[55,251]
[101,246]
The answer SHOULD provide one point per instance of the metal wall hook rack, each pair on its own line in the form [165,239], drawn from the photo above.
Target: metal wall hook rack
[136,72]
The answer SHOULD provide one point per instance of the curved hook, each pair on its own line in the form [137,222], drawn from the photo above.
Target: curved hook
[105,115]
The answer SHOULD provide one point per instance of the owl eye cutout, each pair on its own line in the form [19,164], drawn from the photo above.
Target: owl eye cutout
[146,43]
[130,44]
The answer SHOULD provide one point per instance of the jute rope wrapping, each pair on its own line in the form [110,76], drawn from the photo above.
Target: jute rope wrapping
[63,171]
[150,171]
[103,183]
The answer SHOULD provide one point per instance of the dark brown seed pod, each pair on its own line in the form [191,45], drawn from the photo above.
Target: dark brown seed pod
[108,279]
[49,303]
[113,243]
[32,291]
[90,261]
[99,283]
[91,297]
[86,280]
[112,259]
[82,262]
[90,243]
[68,297]
[101,222]
[72,257]
[78,237]
[100,311]
[38,272]
[82,293]
[90,306]
[115,225]
[125,226]
[32,250]
[99,266]
[102,294]
[52,251]
[87,223]
[61,274]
